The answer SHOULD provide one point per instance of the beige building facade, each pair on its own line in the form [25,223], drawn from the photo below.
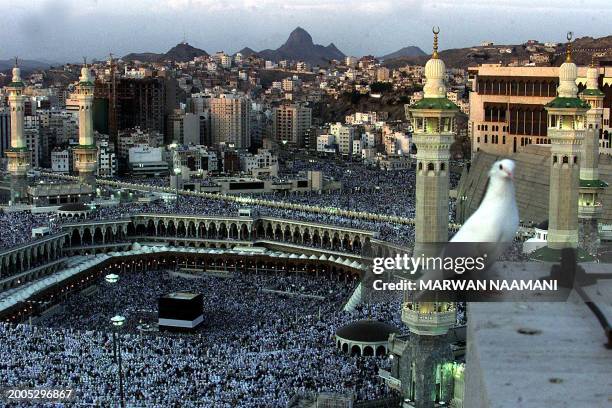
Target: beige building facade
[230,120]
[507,106]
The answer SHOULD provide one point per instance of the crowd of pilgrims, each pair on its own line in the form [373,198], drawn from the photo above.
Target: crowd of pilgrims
[256,348]
[363,189]
[15,227]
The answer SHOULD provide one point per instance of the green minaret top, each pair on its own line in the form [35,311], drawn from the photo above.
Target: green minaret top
[434,91]
[567,91]
[16,82]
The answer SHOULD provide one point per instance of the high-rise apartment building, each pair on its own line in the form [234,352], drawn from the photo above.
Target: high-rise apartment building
[291,123]
[5,131]
[31,132]
[139,102]
[230,120]
[185,127]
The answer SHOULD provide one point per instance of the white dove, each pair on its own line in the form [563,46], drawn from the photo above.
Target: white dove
[492,227]
[496,220]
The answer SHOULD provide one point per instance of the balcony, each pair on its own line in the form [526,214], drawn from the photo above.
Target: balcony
[428,323]
[590,211]
[391,381]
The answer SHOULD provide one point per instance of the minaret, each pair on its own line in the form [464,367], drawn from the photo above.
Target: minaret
[591,187]
[420,361]
[18,155]
[87,151]
[433,122]
[566,130]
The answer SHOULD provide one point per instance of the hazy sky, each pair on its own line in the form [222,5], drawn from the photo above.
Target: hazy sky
[60,30]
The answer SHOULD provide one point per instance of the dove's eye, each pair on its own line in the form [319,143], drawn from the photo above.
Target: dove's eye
[501,167]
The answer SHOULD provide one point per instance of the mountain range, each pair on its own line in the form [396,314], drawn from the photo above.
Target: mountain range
[583,49]
[410,51]
[300,47]
[25,65]
[181,52]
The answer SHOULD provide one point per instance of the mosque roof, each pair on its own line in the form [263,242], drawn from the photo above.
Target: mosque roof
[367,331]
[561,102]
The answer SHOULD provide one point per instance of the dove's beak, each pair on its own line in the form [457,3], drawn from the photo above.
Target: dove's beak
[509,174]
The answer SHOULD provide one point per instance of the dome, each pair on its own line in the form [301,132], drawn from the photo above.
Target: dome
[435,71]
[368,331]
[568,72]
[85,74]
[16,74]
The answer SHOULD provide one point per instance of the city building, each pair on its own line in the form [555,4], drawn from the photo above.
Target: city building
[344,137]
[107,159]
[230,121]
[262,160]
[291,123]
[185,127]
[147,161]
[5,130]
[61,161]
[382,74]
[327,144]
[31,132]
[194,160]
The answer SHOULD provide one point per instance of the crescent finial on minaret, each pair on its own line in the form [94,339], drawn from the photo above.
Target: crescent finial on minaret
[568,51]
[16,62]
[436,31]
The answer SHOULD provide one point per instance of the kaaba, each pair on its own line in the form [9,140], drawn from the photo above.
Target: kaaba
[180,311]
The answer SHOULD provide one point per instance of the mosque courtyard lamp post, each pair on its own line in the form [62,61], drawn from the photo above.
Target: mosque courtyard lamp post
[117,322]
[177,174]
[113,278]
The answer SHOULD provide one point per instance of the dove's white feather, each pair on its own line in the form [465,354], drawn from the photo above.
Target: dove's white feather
[496,220]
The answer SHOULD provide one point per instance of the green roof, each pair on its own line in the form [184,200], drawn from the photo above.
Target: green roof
[567,103]
[87,83]
[16,84]
[18,149]
[593,183]
[91,147]
[435,103]
[593,92]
